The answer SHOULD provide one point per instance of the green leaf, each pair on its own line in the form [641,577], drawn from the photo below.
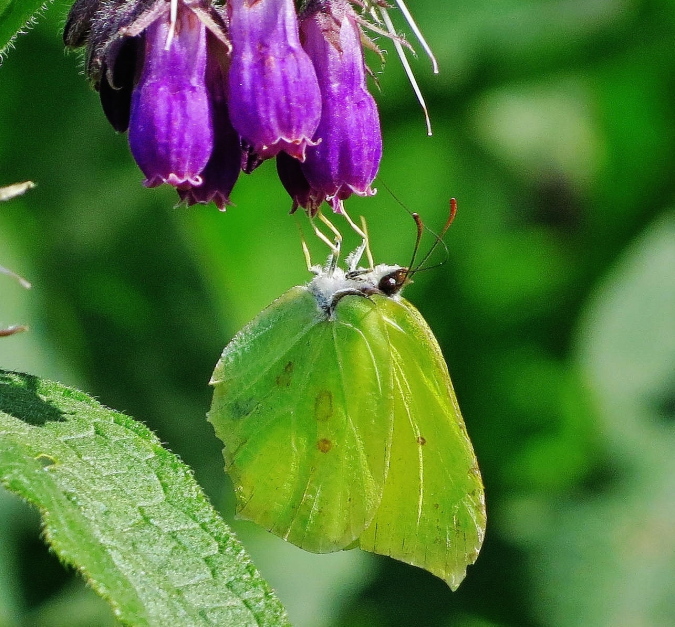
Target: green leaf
[125,512]
[15,16]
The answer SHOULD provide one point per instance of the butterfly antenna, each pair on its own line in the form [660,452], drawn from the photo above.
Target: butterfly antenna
[439,238]
[418,221]
[418,239]
[420,225]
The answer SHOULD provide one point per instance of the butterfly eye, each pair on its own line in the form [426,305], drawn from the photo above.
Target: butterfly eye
[393,282]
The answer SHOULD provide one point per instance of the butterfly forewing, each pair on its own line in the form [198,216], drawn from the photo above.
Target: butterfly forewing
[432,512]
[304,407]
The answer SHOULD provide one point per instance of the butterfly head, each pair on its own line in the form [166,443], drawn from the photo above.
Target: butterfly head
[330,288]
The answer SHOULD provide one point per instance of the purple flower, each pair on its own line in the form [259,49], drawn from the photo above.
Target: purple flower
[117,85]
[347,156]
[294,182]
[222,170]
[170,130]
[275,103]
[208,88]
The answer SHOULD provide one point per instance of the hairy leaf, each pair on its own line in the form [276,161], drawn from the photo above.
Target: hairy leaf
[125,512]
[15,17]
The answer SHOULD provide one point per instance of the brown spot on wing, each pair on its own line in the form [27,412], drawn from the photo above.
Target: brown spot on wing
[323,406]
[421,440]
[324,445]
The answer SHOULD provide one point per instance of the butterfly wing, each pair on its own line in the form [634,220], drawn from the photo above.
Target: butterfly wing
[301,403]
[432,512]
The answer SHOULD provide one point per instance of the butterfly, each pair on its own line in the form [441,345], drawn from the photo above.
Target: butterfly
[341,428]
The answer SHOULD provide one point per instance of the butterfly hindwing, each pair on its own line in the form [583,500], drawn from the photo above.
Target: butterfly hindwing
[432,512]
[304,406]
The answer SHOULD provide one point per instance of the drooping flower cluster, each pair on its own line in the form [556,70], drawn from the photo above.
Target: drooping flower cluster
[207,89]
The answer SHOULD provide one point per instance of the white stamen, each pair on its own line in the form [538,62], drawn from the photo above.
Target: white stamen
[173,16]
[418,34]
[406,67]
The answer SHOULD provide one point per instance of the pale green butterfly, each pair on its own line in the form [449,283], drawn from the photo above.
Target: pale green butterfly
[341,426]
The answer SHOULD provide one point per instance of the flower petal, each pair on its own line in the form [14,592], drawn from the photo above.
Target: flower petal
[275,103]
[170,132]
[347,157]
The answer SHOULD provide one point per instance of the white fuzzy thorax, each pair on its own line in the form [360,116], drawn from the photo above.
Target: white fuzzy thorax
[330,284]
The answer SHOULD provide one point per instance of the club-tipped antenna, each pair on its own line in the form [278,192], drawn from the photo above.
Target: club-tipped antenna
[418,239]
[439,237]
[420,224]
[406,66]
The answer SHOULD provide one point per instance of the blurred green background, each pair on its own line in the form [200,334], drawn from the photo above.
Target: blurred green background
[554,126]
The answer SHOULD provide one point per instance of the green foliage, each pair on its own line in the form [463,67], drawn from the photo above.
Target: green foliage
[124,511]
[15,17]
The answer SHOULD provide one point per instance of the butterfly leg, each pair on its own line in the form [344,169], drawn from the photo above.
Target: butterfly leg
[354,258]
[335,246]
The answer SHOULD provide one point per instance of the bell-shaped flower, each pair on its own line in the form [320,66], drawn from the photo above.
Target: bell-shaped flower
[117,83]
[170,130]
[347,156]
[274,96]
[222,170]
[294,182]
